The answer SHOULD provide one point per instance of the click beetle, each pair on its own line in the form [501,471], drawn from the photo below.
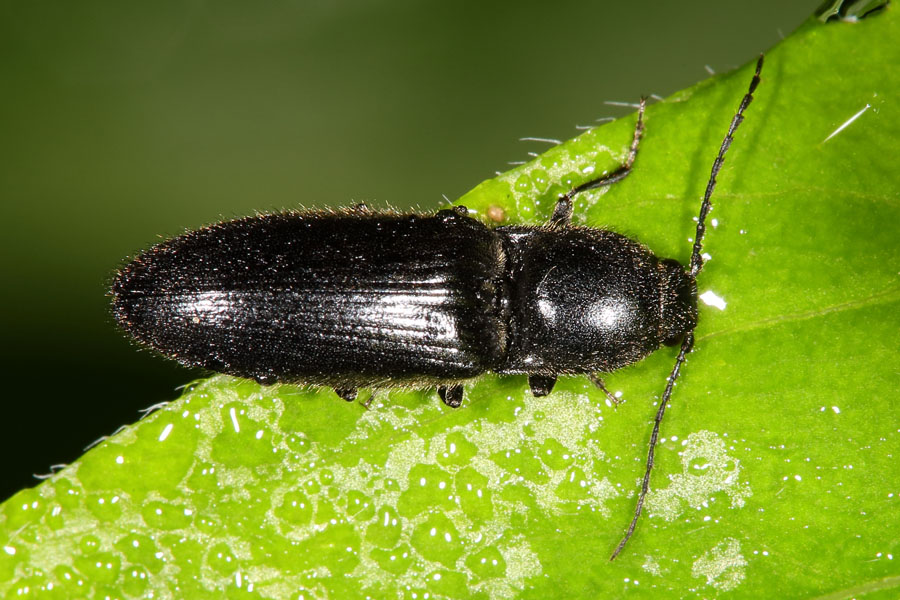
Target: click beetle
[361,298]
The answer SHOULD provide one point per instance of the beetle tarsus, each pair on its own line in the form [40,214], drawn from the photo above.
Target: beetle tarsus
[562,212]
[541,385]
[348,394]
[597,381]
[451,395]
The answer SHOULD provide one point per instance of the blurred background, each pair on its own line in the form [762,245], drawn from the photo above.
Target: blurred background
[124,122]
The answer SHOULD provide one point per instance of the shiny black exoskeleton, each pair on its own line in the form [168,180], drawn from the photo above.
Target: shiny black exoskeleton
[376,299]
[367,299]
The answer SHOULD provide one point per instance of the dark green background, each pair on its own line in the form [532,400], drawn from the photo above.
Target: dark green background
[123,122]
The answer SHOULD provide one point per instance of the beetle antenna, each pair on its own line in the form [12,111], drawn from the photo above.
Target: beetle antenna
[706,205]
[686,346]
[696,264]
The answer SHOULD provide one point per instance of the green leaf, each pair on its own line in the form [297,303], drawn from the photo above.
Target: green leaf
[776,476]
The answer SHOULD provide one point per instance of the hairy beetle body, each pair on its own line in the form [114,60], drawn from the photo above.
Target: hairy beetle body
[360,298]
[369,299]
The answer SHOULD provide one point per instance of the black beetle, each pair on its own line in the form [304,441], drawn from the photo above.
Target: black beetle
[360,298]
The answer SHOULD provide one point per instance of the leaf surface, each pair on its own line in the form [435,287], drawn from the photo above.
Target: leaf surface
[777,472]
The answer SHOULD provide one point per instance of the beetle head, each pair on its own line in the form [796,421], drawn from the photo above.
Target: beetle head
[678,297]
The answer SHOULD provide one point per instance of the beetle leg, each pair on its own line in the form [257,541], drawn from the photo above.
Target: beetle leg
[562,213]
[451,395]
[348,394]
[541,385]
[265,379]
[596,380]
